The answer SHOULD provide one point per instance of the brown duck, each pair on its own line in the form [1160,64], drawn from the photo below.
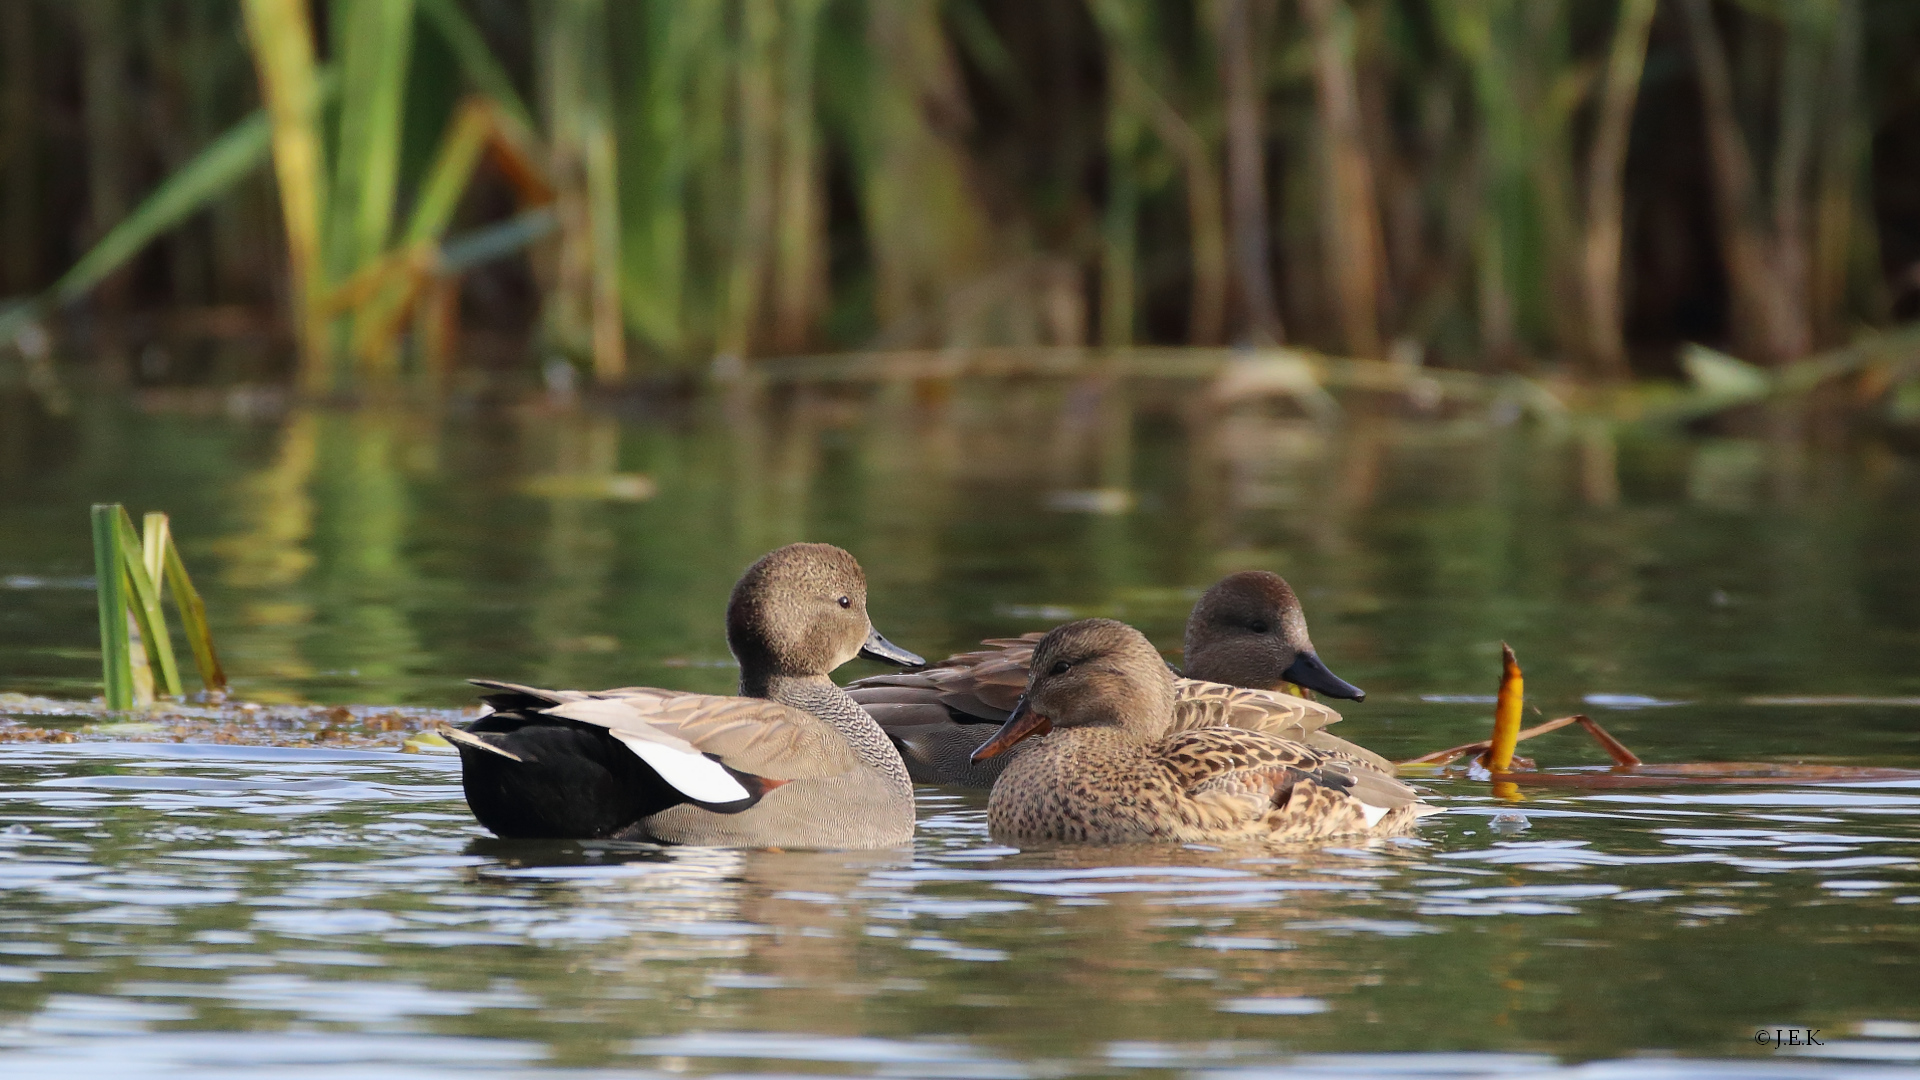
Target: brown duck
[792,762]
[1247,635]
[1114,771]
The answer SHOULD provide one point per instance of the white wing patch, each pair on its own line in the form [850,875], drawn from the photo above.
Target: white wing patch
[1373,814]
[691,773]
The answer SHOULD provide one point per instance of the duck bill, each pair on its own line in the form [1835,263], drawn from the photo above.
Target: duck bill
[879,648]
[1307,670]
[1021,723]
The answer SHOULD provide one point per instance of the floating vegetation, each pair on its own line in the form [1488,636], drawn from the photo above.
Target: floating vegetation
[132,571]
[28,719]
[1494,758]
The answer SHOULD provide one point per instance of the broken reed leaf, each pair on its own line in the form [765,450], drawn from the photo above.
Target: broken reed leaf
[193,621]
[146,605]
[1614,747]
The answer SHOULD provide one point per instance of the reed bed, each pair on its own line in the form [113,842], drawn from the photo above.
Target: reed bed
[1485,184]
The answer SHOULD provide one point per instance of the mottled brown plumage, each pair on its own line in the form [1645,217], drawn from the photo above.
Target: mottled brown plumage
[1245,636]
[1114,771]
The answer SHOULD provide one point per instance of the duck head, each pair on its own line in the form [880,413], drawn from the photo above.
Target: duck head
[1248,630]
[800,612]
[1087,674]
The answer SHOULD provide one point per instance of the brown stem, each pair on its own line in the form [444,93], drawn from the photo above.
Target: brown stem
[19,154]
[799,270]
[1775,318]
[1606,181]
[104,45]
[758,120]
[1841,160]
[1354,249]
[1246,171]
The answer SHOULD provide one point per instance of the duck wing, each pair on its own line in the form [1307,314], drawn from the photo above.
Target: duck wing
[571,763]
[1242,782]
[745,735]
[1199,704]
[938,716]
[973,687]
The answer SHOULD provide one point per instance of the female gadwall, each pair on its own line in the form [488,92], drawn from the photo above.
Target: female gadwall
[793,762]
[1115,772]
[1247,631]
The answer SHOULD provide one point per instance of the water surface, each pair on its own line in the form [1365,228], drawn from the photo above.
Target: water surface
[187,910]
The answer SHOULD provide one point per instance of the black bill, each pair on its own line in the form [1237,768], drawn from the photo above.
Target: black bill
[879,648]
[1307,670]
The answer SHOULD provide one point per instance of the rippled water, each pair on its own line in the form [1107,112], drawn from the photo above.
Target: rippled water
[211,911]
[195,910]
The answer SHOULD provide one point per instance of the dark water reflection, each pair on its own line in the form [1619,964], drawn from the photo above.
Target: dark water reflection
[214,911]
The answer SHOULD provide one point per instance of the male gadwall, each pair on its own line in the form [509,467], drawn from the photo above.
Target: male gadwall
[1114,771]
[792,762]
[1247,631]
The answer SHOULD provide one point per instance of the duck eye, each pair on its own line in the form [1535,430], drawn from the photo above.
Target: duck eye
[1061,668]
[1258,626]
[846,601]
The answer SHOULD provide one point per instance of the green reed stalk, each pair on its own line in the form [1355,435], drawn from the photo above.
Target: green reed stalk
[1121,22]
[375,38]
[670,37]
[282,39]
[376,42]
[758,90]
[446,180]
[799,257]
[110,584]
[583,306]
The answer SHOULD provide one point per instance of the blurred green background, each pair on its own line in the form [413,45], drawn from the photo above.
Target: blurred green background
[640,186]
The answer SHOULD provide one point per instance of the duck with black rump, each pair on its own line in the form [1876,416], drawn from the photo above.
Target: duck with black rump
[791,762]
[1112,770]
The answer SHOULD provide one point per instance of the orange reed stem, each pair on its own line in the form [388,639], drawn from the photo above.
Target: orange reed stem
[1506,713]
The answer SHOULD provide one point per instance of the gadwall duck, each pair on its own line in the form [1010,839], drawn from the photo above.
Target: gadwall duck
[1114,771]
[792,762]
[1246,632]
